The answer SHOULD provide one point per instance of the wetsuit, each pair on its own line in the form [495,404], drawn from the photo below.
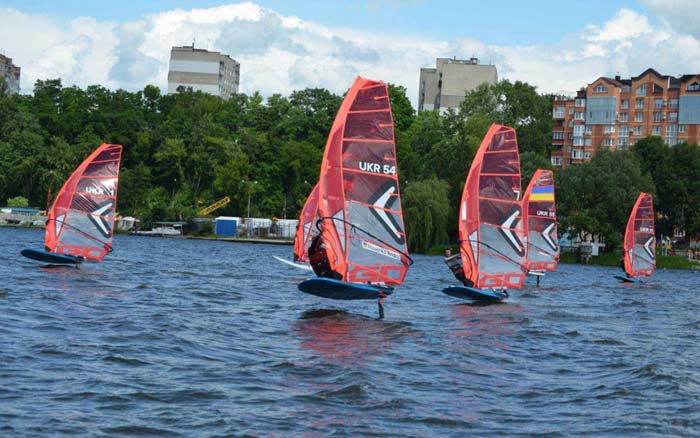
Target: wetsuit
[318,258]
[454,262]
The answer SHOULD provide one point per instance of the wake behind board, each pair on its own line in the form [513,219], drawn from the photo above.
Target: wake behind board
[51,258]
[304,266]
[628,279]
[464,292]
[341,290]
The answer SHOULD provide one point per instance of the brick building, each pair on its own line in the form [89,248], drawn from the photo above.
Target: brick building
[614,113]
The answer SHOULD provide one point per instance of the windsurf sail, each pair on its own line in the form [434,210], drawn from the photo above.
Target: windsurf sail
[81,220]
[491,231]
[640,240]
[306,228]
[359,203]
[540,212]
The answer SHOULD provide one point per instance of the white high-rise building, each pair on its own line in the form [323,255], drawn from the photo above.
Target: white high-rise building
[10,73]
[210,72]
[446,85]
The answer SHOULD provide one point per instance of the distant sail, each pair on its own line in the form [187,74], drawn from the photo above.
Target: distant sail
[81,220]
[540,212]
[640,240]
[359,201]
[307,226]
[491,230]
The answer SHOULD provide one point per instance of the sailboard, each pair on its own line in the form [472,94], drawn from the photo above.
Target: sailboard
[640,242]
[302,266]
[491,230]
[306,230]
[81,221]
[359,206]
[540,213]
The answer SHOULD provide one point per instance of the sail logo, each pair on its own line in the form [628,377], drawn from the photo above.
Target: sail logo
[384,169]
[542,213]
[507,229]
[646,230]
[382,201]
[103,191]
[379,250]
[97,217]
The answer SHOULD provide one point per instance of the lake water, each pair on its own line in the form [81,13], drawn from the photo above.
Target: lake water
[174,337]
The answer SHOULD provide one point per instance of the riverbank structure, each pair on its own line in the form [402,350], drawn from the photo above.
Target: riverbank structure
[614,113]
[211,72]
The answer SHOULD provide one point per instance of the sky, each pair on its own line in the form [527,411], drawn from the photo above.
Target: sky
[282,46]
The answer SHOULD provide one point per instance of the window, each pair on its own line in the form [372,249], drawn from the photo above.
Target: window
[642,90]
[624,131]
[609,130]
[657,89]
[638,117]
[638,130]
[587,155]
[558,135]
[626,89]
[559,112]
[571,136]
[658,103]
[578,141]
[658,117]
[673,103]
[695,86]
[609,142]
[656,130]
[578,115]
[556,161]
[673,117]
[624,141]
[571,123]
[571,111]
[588,130]
[624,117]
[578,154]
[581,103]
[587,142]
[624,104]
[578,130]
[671,130]
[639,104]
[681,128]
[600,89]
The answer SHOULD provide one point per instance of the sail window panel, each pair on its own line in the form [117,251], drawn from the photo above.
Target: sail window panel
[504,188]
[370,189]
[371,126]
[97,187]
[111,153]
[689,110]
[601,110]
[108,168]
[373,98]
[504,140]
[376,157]
[494,212]
[501,163]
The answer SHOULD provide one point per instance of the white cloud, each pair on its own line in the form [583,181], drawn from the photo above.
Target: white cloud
[279,54]
[682,15]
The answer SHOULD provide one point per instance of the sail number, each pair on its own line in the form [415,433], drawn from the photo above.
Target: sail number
[385,169]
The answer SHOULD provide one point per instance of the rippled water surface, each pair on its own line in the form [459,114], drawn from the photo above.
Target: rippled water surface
[174,337]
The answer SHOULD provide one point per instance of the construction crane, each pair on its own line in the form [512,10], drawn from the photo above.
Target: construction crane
[215,206]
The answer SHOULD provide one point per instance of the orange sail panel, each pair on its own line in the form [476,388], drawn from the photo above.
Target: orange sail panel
[81,220]
[306,227]
[540,213]
[640,240]
[491,231]
[359,202]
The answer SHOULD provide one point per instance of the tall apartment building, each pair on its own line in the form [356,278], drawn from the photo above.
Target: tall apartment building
[10,72]
[210,72]
[445,85]
[615,113]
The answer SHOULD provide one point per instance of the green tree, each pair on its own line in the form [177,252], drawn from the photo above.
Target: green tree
[426,210]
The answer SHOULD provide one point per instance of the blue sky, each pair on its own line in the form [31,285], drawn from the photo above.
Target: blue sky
[289,45]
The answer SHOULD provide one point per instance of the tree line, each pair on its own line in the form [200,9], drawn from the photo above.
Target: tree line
[187,150]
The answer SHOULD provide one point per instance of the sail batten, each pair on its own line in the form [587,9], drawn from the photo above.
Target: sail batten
[81,220]
[640,240]
[539,208]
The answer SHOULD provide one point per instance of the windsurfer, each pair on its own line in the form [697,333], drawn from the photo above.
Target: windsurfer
[318,257]
[454,262]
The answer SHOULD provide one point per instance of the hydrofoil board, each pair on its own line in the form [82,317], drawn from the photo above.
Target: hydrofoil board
[628,279]
[464,292]
[51,257]
[342,290]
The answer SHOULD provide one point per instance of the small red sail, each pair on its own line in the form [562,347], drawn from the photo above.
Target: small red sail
[540,211]
[359,201]
[306,227]
[81,220]
[491,230]
[640,240]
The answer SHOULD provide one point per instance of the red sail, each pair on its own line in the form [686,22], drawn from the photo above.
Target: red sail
[306,227]
[540,212]
[359,201]
[81,220]
[640,240]
[490,219]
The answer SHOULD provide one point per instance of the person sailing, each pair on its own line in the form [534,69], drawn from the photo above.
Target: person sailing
[454,262]
[319,259]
